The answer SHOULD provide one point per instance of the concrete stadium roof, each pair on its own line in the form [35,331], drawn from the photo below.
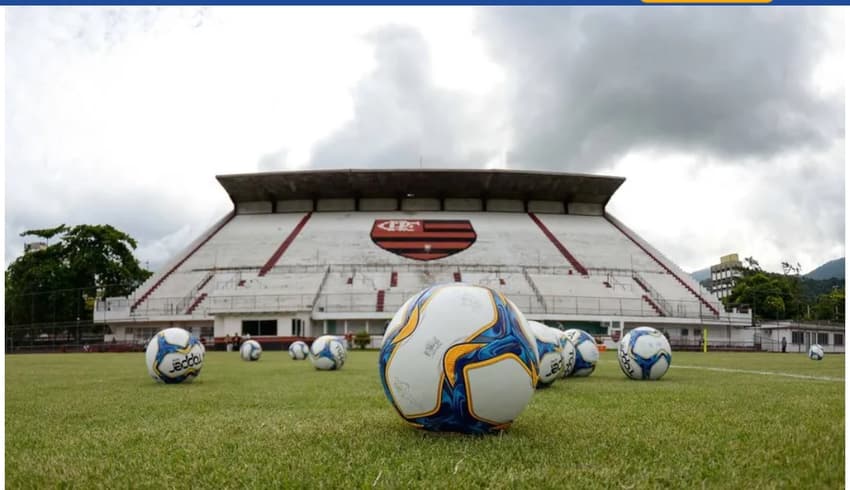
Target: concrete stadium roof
[483,184]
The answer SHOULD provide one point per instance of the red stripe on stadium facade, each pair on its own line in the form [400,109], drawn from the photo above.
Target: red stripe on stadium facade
[423,239]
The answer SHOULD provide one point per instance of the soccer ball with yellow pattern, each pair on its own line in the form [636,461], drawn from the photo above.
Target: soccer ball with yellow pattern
[458,358]
[174,355]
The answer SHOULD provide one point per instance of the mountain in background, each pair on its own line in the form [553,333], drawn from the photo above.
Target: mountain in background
[702,274]
[833,268]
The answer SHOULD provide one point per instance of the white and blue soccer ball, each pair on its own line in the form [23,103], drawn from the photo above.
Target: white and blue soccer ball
[550,360]
[815,352]
[298,350]
[459,358]
[174,355]
[644,353]
[568,352]
[587,354]
[327,353]
[250,350]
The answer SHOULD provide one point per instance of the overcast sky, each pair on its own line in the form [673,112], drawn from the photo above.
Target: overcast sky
[728,123]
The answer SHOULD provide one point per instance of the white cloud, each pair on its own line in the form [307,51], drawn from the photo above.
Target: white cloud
[125,115]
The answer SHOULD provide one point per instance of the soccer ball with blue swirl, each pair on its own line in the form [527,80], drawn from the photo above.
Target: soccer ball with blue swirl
[587,354]
[174,356]
[298,350]
[250,350]
[327,353]
[644,353]
[458,358]
[816,352]
[549,354]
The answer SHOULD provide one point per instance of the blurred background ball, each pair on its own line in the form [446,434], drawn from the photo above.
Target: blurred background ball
[250,350]
[587,354]
[327,353]
[298,350]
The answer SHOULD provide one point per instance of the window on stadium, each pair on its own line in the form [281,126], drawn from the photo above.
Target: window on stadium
[838,338]
[823,338]
[697,332]
[684,332]
[259,327]
[796,337]
[297,327]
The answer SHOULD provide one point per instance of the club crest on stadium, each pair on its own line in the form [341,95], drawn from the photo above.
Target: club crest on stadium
[424,240]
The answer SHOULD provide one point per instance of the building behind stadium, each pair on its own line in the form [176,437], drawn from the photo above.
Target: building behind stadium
[337,252]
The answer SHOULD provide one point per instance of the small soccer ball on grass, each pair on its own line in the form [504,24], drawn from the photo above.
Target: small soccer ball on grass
[551,362]
[250,350]
[458,358]
[174,355]
[327,353]
[644,353]
[298,350]
[587,354]
[568,352]
[815,352]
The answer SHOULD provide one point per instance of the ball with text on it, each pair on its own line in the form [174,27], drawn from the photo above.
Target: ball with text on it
[644,353]
[174,356]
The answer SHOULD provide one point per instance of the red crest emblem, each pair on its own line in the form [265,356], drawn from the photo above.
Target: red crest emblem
[423,239]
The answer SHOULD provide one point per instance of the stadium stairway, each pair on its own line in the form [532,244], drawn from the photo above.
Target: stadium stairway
[651,303]
[196,303]
[560,246]
[664,266]
[283,246]
[379,304]
[176,266]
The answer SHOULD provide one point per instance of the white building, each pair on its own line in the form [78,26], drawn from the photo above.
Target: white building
[315,252]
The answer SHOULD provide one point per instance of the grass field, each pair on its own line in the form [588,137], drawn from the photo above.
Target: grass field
[98,420]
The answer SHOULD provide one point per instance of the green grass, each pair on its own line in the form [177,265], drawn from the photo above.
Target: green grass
[98,420]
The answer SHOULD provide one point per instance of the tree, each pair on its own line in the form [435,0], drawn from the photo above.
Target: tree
[769,295]
[830,306]
[362,339]
[51,285]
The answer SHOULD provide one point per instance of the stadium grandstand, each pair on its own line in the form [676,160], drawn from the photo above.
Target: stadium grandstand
[308,253]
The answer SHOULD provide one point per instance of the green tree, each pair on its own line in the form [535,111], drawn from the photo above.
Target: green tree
[52,285]
[771,296]
[830,306]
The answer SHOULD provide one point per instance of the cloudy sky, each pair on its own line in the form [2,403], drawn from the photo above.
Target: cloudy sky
[728,123]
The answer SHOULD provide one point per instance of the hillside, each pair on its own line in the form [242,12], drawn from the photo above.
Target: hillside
[833,268]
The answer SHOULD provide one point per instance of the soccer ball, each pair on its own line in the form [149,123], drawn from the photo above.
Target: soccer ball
[815,352]
[327,353]
[568,352]
[644,353]
[587,354]
[250,350]
[174,355]
[298,350]
[459,358]
[551,362]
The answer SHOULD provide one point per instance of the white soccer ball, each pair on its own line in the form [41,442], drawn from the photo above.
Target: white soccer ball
[587,354]
[174,355]
[815,352]
[250,350]
[459,358]
[568,352]
[551,362]
[298,350]
[644,353]
[327,353]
